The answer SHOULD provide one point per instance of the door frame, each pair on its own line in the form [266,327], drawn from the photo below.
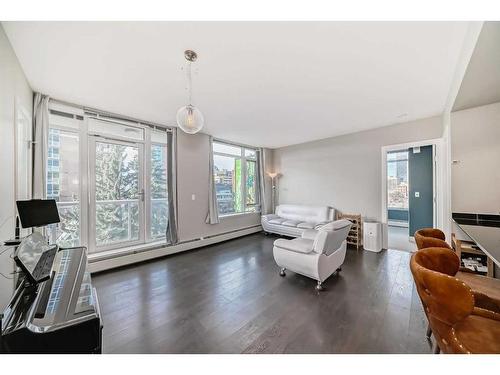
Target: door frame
[92,140]
[439,171]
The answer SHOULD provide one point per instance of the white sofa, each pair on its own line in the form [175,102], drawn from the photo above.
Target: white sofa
[316,254]
[291,219]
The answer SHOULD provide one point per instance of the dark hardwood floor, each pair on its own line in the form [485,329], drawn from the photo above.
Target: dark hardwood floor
[229,298]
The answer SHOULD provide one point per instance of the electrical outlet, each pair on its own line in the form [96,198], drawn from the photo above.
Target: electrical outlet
[417,194]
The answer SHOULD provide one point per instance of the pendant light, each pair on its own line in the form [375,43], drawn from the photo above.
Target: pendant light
[189,118]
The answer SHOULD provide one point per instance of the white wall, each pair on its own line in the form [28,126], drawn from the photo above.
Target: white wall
[14,88]
[345,172]
[475,145]
[192,172]
[192,178]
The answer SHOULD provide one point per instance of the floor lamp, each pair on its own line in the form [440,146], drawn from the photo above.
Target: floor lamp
[273,176]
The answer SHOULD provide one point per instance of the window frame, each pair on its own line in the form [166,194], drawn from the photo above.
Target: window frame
[388,162]
[78,123]
[149,194]
[243,187]
[69,125]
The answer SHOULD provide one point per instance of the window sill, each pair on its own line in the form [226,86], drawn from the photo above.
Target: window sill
[227,216]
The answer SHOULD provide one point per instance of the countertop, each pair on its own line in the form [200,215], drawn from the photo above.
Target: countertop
[484,230]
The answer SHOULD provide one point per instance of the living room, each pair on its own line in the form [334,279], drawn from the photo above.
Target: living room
[229,187]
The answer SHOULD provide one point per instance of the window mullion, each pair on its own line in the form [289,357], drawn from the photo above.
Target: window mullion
[147,204]
[244,179]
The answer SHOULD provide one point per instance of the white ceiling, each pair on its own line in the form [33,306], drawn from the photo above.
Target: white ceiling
[481,83]
[266,84]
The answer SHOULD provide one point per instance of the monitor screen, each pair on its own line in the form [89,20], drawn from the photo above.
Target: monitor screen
[37,212]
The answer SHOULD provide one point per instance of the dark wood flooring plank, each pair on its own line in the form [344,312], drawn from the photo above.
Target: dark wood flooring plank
[229,298]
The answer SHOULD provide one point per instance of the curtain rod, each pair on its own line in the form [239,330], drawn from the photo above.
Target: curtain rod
[112,115]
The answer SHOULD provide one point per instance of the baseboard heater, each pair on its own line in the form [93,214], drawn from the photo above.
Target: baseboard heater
[120,258]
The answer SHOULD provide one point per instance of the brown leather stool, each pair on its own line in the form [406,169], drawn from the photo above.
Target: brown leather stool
[430,237]
[458,323]
[425,238]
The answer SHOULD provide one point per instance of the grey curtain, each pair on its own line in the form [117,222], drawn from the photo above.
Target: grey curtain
[261,186]
[41,133]
[172,237]
[213,208]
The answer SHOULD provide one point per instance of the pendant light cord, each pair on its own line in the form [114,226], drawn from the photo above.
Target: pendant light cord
[189,81]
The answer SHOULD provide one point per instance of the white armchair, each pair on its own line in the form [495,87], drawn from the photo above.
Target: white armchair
[317,254]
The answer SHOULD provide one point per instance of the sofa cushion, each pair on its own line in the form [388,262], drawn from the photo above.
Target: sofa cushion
[305,225]
[269,217]
[312,214]
[279,220]
[299,245]
[290,223]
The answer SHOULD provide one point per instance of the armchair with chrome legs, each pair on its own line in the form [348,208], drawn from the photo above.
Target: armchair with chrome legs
[317,254]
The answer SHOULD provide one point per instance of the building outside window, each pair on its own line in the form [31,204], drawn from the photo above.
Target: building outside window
[63,184]
[235,178]
[397,179]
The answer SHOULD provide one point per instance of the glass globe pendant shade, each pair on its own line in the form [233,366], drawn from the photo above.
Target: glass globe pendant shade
[190,119]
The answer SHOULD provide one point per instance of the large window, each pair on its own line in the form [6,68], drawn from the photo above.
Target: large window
[120,167]
[117,193]
[397,179]
[235,177]
[63,184]
[159,203]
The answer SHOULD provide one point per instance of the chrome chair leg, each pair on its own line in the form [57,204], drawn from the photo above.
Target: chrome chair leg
[319,286]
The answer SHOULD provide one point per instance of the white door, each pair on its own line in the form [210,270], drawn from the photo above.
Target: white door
[116,170]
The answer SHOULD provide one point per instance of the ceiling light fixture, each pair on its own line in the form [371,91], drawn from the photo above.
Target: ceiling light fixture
[189,118]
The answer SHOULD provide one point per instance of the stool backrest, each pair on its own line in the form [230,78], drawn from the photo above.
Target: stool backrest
[446,299]
[433,233]
[424,242]
[330,236]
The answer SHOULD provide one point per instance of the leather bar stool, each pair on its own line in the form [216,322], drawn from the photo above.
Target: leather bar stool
[458,324]
[452,268]
[424,238]
[432,237]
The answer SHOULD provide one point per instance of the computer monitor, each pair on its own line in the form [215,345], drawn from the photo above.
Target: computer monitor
[37,212]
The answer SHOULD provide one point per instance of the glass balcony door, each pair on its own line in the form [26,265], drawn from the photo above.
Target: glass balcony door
[116,186]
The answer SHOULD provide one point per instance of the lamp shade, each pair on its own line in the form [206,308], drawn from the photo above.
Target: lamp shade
[190,119]
[272,174]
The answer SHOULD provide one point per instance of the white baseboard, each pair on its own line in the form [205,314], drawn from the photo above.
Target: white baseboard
[98,265]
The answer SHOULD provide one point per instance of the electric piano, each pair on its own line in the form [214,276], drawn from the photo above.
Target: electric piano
[58,315]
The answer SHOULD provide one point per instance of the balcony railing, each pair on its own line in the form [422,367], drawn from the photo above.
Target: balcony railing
[116,221]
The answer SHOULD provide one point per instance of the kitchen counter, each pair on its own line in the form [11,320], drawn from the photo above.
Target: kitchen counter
[484,230]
